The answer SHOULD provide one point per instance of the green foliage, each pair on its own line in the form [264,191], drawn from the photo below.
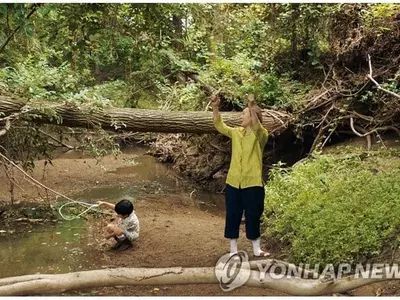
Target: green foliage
[100,144]
[272,92]
[180,97]
[232,76]
[64,50]
[334,209]
[377,16]
[38,79]
[107,94]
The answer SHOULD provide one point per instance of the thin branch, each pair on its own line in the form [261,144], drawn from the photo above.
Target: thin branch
[356,93]
[33,9]
[326,115]
[6,127]
[56,140]
[379,137]
[370,65]
[321,129]
[368,137]
[319,96]
[14,180]
[376,83]
[327,75]
[34,181]
[373,130]
[210,175]
[223,150]
[361,116]
[275,117]
[329,135]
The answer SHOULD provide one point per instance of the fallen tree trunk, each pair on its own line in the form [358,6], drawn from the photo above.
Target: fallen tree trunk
[129,119]
[46,284]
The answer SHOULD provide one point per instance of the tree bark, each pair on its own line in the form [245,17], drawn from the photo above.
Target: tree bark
[55,284]
[138,120]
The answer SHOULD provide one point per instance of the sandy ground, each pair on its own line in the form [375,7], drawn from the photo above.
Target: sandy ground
[174,232]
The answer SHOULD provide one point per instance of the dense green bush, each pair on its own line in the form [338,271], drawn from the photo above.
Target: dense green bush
[334,209]
[39,79]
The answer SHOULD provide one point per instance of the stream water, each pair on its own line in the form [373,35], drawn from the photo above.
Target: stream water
[67,246]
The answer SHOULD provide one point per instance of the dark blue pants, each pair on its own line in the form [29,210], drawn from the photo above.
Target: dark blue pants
[251,201]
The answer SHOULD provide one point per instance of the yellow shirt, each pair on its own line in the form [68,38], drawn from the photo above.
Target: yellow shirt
[247,152]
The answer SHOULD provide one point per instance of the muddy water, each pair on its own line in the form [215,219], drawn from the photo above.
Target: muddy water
[68,246]
[60,248]
[152,178]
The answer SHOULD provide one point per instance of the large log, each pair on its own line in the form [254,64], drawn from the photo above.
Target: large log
[55,284]
[129,119]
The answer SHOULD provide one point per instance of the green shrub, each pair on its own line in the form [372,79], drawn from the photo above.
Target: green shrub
[114,93]
[39,79]
[334,209]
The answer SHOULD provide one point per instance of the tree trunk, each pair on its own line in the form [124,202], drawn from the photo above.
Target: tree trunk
[138,120]
[55,284]
[293,39]
[178,30]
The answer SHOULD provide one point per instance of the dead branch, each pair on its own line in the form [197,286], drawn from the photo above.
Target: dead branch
[361,116]
[327,138]
[376,83]
[220,149]
[368,136]
[56,140]
[29,220]
[314,101]
[321,129]
[55,284]
[11,179]
[316,140]
[373,130]
[33,180]
[6,127]
[34,7]
[215,170]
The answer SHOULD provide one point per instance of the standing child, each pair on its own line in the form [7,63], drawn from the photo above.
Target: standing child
[127,229]
[244,186]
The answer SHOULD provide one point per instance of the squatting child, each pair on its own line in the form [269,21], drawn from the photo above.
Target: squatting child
[127,228]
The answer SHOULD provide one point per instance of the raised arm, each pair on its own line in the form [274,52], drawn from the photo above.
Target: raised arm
[260,131]
[218,123]
[106,204]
